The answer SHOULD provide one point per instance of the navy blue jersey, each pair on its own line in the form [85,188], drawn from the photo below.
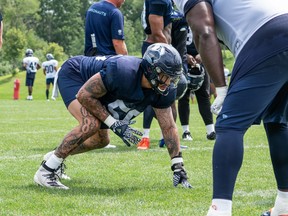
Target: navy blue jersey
[156,7]
[104,22]
[121,75]
[1,17]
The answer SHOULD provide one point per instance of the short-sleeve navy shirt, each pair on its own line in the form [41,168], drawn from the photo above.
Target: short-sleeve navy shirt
[160,8]
[104,22]
[122,76]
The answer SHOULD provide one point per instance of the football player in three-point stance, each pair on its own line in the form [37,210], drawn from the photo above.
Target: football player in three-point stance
[111,91]
[256,32]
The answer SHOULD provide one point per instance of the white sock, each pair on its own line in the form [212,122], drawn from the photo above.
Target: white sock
[185,128]
[283,195]
[222,205]
[210,128]
[281,204]
[48,155]
[146,133]
[54,162]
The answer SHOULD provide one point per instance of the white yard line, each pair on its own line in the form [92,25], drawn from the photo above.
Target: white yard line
[261,193]
[13,157]
[32,132]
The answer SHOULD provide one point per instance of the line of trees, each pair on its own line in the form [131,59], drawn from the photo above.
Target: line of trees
[55,26]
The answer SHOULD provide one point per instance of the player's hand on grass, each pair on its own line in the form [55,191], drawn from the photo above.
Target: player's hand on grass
[179,175]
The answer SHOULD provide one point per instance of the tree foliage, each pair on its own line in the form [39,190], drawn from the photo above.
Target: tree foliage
[134,33]
[57,26]
[16,42]
[60,22]
[56,50]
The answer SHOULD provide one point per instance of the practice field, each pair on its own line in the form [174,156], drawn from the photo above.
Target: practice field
[121,181]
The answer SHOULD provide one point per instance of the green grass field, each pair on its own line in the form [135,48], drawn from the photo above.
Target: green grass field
[121,181]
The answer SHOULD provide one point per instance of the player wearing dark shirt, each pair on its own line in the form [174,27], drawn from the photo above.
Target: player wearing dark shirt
[108,92]
[104,29]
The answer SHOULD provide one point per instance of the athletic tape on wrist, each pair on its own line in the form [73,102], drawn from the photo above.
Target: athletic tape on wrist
[176,160]
[109,121]
[221,90]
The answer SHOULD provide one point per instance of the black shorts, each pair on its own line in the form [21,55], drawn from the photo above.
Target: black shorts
[50,81]
[30,77]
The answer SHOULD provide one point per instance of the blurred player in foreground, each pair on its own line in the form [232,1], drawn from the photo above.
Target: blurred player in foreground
[256,32]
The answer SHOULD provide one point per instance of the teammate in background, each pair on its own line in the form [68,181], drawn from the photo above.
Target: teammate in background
[1,30]
[256,32]
[156,21]
[49,70]
[108,92]
[31,64]
[199,84]
[104,29]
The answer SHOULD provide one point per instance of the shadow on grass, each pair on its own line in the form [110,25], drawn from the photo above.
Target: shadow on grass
[80,190]
[95,151]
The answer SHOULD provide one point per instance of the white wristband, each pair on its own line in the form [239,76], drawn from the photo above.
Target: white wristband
[109,121]
[177,160]
[221,91]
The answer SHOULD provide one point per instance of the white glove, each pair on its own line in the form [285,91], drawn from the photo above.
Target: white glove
[217,104]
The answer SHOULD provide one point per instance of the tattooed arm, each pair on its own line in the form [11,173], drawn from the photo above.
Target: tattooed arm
[169,130]
[172,141]
[88,97]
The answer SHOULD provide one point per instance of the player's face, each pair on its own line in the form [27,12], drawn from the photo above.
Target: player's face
[164,82]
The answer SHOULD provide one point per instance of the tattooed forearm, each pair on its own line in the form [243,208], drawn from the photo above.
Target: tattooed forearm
[88,96]
[169,130]
[171,141]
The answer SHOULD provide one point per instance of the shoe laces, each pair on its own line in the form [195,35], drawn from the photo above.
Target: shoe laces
[187,132]
[58,172]
[62,168]
[144,141]
[53,177]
